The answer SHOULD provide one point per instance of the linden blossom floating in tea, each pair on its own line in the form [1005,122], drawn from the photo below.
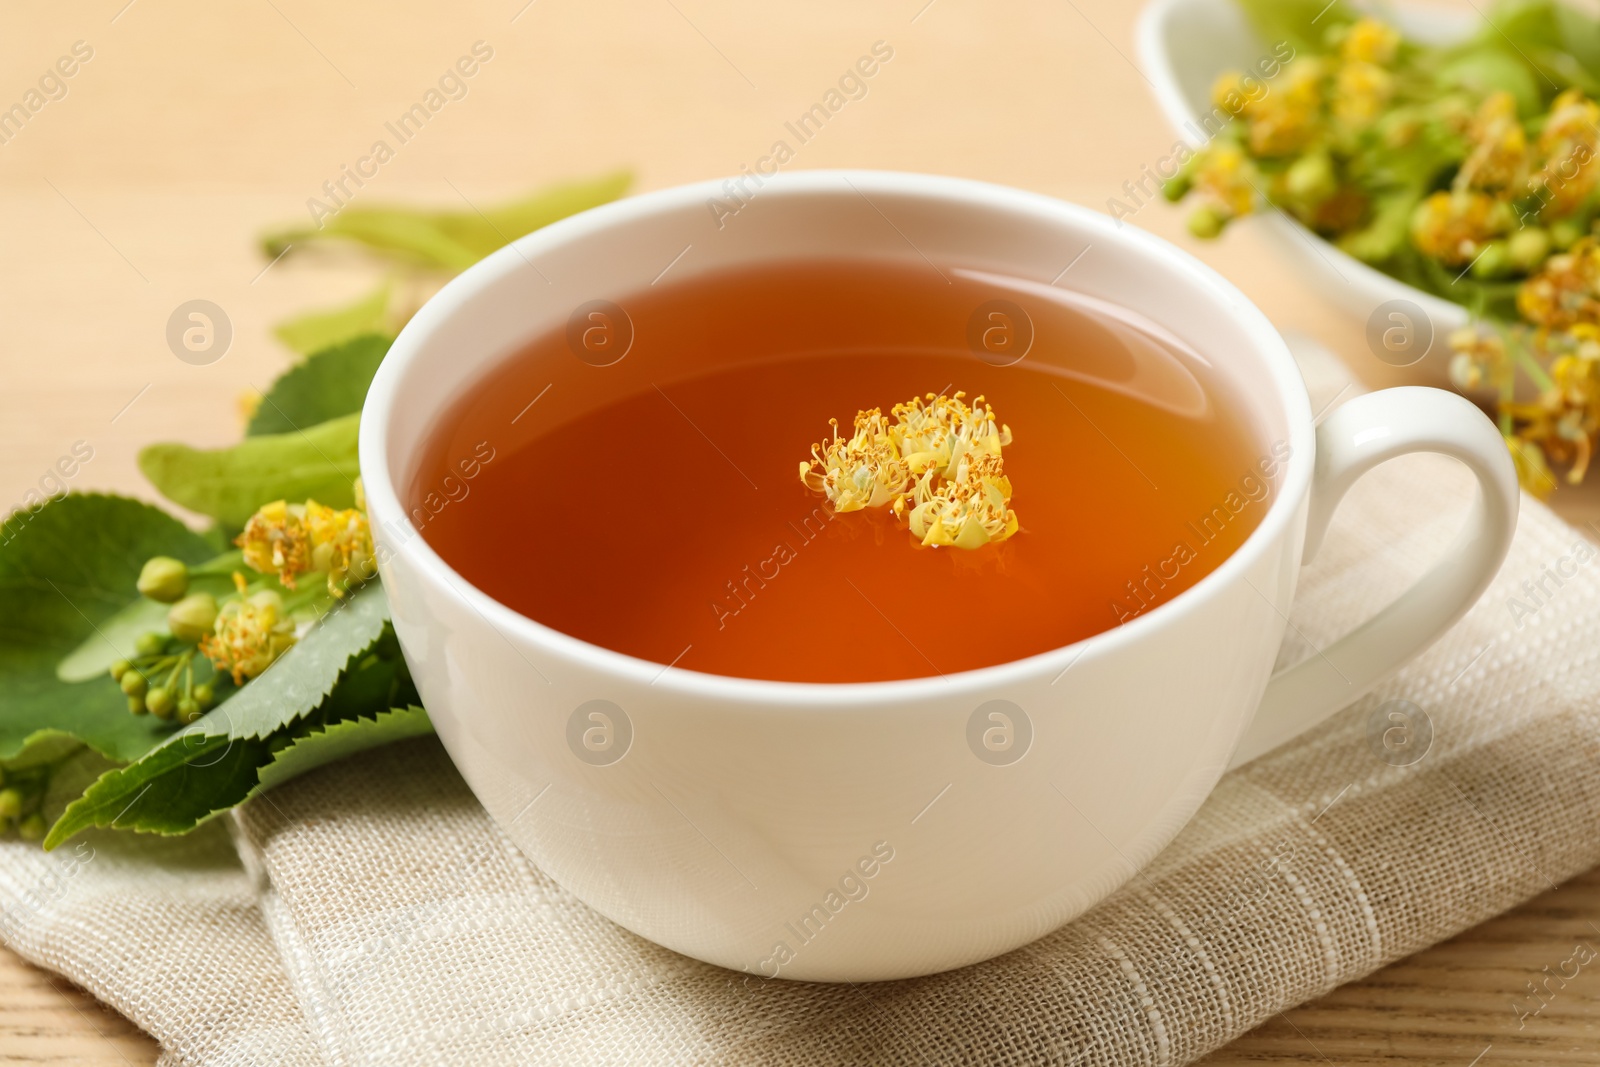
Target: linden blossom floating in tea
[938,467]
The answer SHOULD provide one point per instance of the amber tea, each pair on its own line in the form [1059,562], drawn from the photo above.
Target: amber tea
[853,471]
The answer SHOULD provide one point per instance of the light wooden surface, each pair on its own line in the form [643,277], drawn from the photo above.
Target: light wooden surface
[196,124]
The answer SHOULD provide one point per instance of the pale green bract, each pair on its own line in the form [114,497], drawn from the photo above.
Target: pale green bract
[317,331]
[229,484]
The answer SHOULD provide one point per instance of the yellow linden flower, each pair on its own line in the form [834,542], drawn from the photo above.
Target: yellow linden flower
[1563,422]
[968,510]
[1360,92]
[1454,227]
[1532,471]
[1498,161]
[1230,93]
[1570,145]
[1284,120]
[862,471]
[943,431]
[275,541]
[341,545]
[1573,378]
[1586,336]
[1480,358]
[250,633]
[938,466]
[1227,176]
[1565,293]
[289,540]
[1370,41]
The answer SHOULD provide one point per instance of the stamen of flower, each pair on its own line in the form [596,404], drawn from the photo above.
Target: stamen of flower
[289,540]
[251,632]
[341,545]
[275,541]
[938,467]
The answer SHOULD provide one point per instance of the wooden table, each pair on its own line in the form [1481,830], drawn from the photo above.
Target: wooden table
[193,126]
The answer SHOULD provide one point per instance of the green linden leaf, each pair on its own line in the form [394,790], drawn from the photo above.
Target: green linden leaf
[1580,36]
[301,679]
[317,331]
[202,772]
[332,384]
[498,226]
[1302,23]
[344,738]
[171,790]
[70,767]
[1559,40]
[229,484]
[176,788]
[65,570]
[453,240]
[49,747]
[1487,69]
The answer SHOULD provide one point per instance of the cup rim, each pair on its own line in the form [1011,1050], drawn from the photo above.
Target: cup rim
[389,516]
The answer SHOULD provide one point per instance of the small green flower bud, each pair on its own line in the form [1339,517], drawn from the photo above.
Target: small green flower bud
[159,701]
[1175,189]
[1493,262]
[10,803]
[133,683]
[119,668]
[136,706]
[193,617]
[1502,218]
[1529,248]
[1310,179]
[1564,233]
[205,695]
[149,643]
[32,828]
[164,578]
[188,710]
[1206,222]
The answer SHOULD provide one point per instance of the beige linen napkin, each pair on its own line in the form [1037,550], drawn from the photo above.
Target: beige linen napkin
[380,918]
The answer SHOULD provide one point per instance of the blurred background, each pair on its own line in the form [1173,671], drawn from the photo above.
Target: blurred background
[193,127]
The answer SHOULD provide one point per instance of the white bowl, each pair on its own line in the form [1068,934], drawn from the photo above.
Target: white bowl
[1185,44]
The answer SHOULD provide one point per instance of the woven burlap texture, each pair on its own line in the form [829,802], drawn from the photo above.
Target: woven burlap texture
[378,916]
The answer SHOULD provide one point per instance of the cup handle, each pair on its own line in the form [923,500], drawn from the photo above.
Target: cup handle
[1359,435]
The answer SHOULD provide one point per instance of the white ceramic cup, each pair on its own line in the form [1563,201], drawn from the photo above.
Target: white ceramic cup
[884,830]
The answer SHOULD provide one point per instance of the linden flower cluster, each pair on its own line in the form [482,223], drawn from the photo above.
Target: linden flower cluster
[252,627]
[294,539]
[1509,184]
[1559,349]
[1280,145]
[251,631]
[1388,149]
[937,465]
[1467,172]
